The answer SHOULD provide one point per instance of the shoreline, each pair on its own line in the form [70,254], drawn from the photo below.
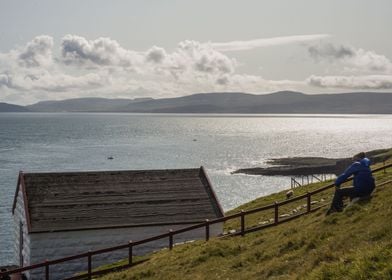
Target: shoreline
[297,166]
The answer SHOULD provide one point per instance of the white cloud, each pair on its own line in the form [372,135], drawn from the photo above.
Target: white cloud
[102,51]
[202,58]
[4,80]
[266,42]
[156,54]
[372,82]
[356,60]
[37,53]
[188,56]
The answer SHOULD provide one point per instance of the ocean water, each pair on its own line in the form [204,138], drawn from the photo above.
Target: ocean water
[221,143]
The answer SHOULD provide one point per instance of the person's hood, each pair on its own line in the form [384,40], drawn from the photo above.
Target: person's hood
[365,162]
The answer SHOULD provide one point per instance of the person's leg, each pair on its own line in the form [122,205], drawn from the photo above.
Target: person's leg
[337,201]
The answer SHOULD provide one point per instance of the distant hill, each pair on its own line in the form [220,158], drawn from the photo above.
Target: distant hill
[83,105]
[279,102]
[5,107]
[284,102]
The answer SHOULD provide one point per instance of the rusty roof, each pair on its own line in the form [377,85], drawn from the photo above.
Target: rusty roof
[114,199]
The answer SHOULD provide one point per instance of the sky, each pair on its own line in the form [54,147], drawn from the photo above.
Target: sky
[53,50]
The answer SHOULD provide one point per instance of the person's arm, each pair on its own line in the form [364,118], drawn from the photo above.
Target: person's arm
[347,173]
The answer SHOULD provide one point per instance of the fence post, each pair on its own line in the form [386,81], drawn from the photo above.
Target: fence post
[276,212]
[207,229]
[130,248]
[309,204]
[89,264]
[170,239]
[242,223]
[46,270]
[385,170]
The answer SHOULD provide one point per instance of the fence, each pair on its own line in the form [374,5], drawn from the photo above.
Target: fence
[171,234]
[308,179]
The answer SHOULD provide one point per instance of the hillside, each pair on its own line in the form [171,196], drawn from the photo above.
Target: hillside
[279,102]
[83,105]
[5,107]
[355,244]
[232,102]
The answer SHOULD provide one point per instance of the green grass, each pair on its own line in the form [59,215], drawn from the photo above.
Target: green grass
[354,244]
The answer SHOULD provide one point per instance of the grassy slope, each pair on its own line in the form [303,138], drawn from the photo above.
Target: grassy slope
[355,244]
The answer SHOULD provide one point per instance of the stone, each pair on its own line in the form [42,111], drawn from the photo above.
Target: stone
[284,216]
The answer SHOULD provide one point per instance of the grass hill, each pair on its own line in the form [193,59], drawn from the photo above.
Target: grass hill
[354,244]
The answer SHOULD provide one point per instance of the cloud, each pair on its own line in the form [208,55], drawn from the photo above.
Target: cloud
[355,59]
[203,58]
[52,82]
[331,51]
[4,80]
[37,53]
[372,82]
[266,42]
[102,51]
[156,54]
[188,56]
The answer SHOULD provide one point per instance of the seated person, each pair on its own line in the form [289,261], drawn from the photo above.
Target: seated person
[363,182]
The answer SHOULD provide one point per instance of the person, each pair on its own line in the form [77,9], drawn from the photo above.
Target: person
[363,182]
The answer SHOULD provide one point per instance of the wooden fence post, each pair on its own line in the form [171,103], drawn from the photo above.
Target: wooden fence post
[130,253]
[170,239]
[207,229]
[89,266]
[46,270]
[276,212]
[309,204]
[242,223]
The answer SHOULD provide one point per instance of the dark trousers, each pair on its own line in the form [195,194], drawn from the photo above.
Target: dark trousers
[340,193]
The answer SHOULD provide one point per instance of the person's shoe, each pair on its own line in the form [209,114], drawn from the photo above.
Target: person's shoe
[332,210]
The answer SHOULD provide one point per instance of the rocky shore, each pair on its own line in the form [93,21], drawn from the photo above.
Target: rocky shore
[296,166]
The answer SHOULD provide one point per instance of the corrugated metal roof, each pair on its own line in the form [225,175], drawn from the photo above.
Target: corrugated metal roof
[105,199]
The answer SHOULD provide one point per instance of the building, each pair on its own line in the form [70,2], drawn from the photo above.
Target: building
[62,214]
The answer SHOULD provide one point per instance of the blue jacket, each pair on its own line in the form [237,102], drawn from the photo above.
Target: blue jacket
[363,179]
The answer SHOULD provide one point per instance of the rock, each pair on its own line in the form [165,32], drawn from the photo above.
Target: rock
[284,216]
[303,166]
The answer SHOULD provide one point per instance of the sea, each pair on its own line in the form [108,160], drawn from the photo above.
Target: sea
[221,143]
